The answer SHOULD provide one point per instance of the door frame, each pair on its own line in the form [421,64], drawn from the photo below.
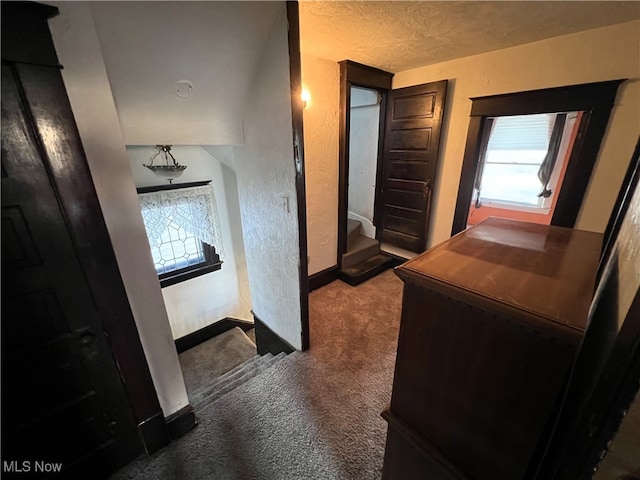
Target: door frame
[595,99]
[297,109]
[353,74]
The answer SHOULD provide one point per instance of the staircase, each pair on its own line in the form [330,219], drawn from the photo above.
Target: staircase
[234,378]
[363,258]
[221,364]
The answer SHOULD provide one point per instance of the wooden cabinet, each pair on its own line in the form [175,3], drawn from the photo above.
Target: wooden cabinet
[491,322]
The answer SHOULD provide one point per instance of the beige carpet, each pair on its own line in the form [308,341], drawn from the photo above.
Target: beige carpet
[205,362]
[314,415]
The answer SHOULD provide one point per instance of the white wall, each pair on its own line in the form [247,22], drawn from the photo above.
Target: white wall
[85,78]
[203,300]
[149,46]
[321,125]
[363,153]
[266,187]
[596,55]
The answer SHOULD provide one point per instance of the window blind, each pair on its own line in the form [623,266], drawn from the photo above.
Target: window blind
[522,132]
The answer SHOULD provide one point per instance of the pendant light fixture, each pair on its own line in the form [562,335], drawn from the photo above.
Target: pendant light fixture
[170,169]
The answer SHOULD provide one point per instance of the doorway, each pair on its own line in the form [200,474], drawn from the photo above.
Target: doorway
[363,94]
[363,258]
[389,148]
[364,139]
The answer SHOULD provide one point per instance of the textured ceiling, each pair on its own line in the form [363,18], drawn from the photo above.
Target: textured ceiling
[397,36]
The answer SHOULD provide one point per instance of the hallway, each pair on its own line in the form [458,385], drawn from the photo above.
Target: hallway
[315,415]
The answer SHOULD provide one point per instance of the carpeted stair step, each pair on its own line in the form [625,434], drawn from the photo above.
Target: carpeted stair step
[367,269]
[247,375]
[275,368]
[363,248]
[237,371]
[203,391]
[212,358]
[237,377]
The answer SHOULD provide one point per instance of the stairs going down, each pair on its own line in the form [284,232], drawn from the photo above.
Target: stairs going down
[363,258]
[234,378]
[222,363]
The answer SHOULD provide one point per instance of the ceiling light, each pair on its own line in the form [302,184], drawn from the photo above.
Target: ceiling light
[171,168]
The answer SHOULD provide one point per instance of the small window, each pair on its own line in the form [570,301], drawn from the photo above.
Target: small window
[519,156]
[182,228]
[177,249]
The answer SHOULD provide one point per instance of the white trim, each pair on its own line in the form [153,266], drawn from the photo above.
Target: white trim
[368,228]
[513,206]
[397,251]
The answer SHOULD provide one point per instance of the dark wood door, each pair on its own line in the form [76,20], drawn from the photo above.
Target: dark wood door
[63,401]
[412,137]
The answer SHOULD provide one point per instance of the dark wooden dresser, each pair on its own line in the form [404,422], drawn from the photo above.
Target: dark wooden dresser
[491,322]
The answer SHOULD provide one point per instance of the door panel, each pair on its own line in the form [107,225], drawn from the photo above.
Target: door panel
[414,106]
[408,170]
[416,139]
[62,396]
[413,200]
[411,144]
[399,220]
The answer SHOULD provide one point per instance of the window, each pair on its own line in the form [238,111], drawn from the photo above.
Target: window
[595,102]
[183,230]
[520,158]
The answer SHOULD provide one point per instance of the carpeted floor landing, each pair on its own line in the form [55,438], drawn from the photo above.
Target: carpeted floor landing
[314,415]
[205,362]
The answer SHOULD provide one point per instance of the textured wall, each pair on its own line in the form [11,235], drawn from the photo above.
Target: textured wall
[203,300]
[595,55]
[321,77]
[85,78]
[266,186]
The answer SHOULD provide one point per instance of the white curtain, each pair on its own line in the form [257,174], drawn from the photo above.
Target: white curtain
[192,208]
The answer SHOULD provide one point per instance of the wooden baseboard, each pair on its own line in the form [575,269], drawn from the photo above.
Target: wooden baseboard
[267,341]
[181,422]
[154,433]
[427,453]
[157,431]
[196,338]
[323,277]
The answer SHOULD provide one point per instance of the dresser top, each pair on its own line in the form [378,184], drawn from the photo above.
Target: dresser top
[542,270]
